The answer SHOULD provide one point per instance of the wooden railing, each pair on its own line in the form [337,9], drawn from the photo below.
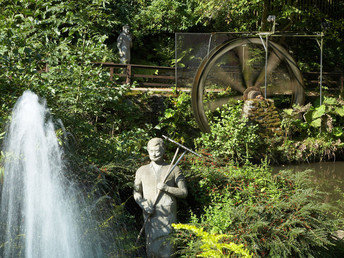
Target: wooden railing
[333,82]
[147,77]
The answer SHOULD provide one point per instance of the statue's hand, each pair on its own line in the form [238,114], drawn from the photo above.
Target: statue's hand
[148,209]
[162,187]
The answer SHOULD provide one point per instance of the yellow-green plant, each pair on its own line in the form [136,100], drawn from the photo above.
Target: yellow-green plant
[212,247]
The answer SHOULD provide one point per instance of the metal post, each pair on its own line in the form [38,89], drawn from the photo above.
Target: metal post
[209,43]
[341,83]
[321,64]
[266,65]
[265,45]
[176,61]
[321,45]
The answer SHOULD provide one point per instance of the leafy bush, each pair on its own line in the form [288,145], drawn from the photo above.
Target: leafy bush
[312,133]
[95,111]
[271,214]
[232,136]
[178,121]
[212,246]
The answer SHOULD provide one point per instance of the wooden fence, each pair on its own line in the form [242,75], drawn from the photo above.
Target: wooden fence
[147,77]
[333,82]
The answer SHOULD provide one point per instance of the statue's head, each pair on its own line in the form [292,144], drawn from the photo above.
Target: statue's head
[156,149]
[126,28]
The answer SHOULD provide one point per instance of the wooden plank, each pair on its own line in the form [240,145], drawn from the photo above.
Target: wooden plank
[120,74]
[160,89]
[154,76]
[134,65]
[326,81]
[157,84]
[324,73]
[153,67]
[109,64]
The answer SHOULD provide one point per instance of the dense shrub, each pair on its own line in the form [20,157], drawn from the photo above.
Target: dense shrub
[211,243]
[232,136]
[271,214]
[178,121]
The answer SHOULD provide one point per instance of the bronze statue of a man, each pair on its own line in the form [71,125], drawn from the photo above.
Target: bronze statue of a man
[149,181]
[124,43]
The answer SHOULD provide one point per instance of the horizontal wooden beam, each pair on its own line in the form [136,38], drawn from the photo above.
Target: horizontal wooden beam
[153,76]
[111,64]
[157,84]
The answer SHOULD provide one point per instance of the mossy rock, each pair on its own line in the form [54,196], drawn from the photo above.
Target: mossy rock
[265,114]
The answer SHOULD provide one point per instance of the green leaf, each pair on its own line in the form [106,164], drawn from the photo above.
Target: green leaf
[319,112]
[288,111]
[337,131]
[330,101]
[339,111]
[316,122]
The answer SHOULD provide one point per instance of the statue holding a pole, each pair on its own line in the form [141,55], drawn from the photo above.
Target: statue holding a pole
[156,187]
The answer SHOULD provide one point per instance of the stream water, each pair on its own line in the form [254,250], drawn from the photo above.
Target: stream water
[39,209]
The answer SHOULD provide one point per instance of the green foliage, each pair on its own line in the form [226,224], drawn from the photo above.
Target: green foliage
[232,136]
[212,246]
[165,16]
[308,134]
[65,35]
[105,130]
[329,116]
[271,214]
[177,121]
[312,133]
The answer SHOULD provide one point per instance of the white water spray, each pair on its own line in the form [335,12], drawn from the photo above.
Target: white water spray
[38,207]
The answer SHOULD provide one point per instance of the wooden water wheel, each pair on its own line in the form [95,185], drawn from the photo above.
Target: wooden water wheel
[232,67]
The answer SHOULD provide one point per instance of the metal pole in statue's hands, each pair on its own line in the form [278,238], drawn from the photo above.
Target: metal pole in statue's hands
[180,145]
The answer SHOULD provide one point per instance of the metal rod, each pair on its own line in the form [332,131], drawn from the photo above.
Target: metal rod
[176,61]
[265,45]
[266,65]
[209,43]
[275,34]
[321,45]
[321,66]
[180,145]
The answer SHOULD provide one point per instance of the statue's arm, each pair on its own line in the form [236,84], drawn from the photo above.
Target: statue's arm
[119,41]
[138,195]
[180,191]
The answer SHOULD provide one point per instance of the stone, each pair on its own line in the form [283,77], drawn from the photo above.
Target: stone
[150,183]
[263,112]
[124,43]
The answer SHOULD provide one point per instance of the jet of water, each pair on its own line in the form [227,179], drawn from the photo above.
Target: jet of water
[39,211]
